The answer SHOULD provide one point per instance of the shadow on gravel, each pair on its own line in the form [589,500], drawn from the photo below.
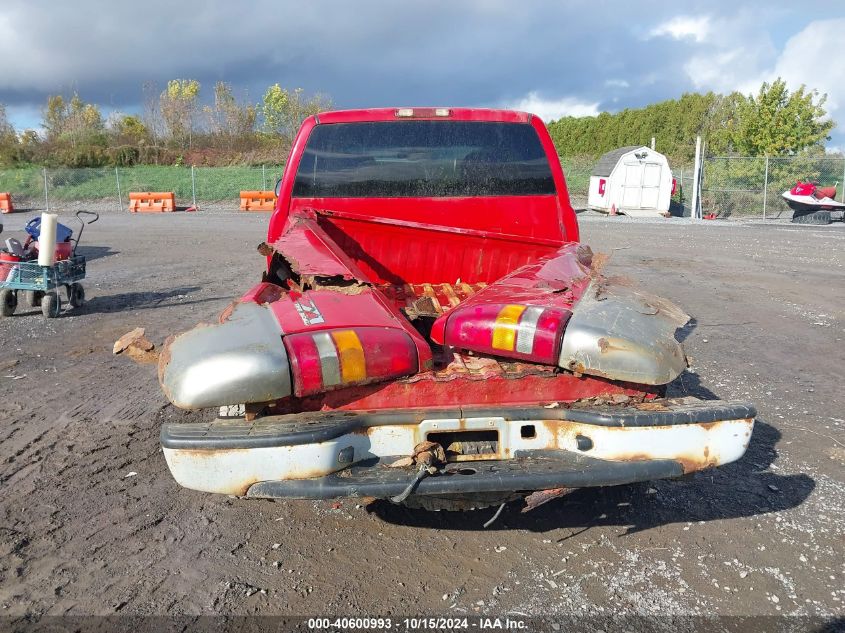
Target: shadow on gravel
[683,333]
[143,300]
[689,384]
[742,489]
[96,252]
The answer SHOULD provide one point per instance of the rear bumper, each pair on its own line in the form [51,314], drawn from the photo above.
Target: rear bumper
[533,470]
[343,454]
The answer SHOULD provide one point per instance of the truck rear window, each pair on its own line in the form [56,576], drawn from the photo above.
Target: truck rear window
[423,159]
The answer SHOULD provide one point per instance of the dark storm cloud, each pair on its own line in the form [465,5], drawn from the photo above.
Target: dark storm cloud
[599,55]
[359,52]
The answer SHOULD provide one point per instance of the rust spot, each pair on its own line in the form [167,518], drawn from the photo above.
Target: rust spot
[164,360]
[692,464]
[536,499]
[334,284]
[597,262]
[224,316]
[183,457]
[651,406]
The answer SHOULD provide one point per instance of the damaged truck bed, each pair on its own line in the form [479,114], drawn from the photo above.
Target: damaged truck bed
[429,330]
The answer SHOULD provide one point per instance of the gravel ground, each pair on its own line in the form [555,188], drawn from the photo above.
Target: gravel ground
[92,523]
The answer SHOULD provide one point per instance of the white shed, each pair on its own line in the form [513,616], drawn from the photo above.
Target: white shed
[636,180]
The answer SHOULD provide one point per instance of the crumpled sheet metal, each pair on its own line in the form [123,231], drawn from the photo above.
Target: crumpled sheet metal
[621,333]
[237,361]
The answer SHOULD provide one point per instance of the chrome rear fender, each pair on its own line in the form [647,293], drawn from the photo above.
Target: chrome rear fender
[620,333]
[240,360]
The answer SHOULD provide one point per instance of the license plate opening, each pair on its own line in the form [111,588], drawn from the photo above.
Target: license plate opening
[467,445]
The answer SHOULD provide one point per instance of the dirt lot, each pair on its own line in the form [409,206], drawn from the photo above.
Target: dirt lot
[92,523]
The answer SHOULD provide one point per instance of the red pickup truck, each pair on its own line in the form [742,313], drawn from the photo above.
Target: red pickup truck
[430,330]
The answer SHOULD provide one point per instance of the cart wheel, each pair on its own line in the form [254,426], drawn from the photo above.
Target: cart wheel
[8,301]
[51,305]
[77,295]
[33,298]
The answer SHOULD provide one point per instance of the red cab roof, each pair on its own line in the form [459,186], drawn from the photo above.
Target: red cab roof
[431,113]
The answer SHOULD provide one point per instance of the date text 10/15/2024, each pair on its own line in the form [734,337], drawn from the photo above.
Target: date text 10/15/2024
[421,623]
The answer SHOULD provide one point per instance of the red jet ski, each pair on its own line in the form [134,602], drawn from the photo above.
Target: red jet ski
[808,196]
[812,204]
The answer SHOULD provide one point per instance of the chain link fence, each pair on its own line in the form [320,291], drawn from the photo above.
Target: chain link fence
[27,186]
[577,170]
[731,186]
[752,186]
[67,189]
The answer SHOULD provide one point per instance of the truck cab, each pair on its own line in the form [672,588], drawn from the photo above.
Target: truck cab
[429,329]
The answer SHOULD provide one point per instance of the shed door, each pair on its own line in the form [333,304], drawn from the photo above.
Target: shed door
[651,185]
[632,185]
[641,187]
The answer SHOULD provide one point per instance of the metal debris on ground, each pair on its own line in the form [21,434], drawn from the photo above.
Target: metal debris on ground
[538,498]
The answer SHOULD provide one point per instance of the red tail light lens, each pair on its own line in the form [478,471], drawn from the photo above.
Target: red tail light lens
[531,333]
[338,358]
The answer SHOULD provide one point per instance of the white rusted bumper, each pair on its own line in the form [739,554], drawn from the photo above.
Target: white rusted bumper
[303,456]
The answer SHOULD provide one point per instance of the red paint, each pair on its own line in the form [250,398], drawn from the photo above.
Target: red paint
[356,262]
[310,251]
[603,184]
[263,293]
[553,283]
[320,310]
[546,217]
[674,185]
[432,390]
[415,253]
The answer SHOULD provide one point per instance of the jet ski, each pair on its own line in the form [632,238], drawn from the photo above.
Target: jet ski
[807,197]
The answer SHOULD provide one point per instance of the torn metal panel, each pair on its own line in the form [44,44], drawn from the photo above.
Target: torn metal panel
[523,314]
[619,333]
[311,253]
[239,360]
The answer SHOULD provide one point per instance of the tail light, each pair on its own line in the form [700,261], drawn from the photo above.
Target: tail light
[334,359]
[531,333]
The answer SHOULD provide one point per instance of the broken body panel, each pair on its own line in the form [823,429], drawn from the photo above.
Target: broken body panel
[380,317]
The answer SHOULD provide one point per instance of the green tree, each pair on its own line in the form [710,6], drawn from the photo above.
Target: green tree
[178,103]
[70,119]
[74,129]
[673,123]
[777,122]
[283,110]
[228,119]
[129,128]
[9,142]
[55,116]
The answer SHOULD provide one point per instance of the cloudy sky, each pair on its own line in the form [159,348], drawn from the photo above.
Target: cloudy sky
[551,58]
